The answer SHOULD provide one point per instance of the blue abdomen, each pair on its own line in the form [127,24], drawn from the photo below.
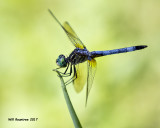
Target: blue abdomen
[116,51]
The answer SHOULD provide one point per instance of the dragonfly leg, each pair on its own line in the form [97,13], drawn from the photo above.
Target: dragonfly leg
[73,77]
[66,68]
[64,74]
[68,74]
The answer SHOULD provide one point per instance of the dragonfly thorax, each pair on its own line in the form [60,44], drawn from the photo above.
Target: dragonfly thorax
[78,56]
[61,61]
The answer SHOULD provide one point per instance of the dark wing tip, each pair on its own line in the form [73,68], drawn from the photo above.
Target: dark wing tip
[141,47]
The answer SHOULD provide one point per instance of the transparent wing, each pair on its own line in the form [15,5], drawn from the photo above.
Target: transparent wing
[70,33]
[91,73]
[73,36]
[81,79]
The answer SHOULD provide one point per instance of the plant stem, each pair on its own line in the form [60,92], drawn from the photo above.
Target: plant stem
[73,114]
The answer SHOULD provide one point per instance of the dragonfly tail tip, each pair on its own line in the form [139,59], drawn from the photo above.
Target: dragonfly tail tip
[141,47]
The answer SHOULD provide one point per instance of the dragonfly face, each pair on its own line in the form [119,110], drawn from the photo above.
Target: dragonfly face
[79,56]
[61,61]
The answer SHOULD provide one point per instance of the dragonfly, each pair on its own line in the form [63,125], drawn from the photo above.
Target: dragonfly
[80,55]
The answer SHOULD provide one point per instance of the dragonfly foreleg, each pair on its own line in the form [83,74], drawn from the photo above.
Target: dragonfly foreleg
[65,74]
[66,68]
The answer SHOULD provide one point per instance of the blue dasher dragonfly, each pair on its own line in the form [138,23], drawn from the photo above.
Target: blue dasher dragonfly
[79,55]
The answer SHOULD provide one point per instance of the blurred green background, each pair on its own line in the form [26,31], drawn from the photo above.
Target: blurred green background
[126,89]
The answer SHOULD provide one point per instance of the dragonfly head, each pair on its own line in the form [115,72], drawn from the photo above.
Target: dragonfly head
[61,61]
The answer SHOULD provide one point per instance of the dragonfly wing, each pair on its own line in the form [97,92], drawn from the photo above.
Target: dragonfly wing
[81,79]
[70,33]
[91,73]
[73,36]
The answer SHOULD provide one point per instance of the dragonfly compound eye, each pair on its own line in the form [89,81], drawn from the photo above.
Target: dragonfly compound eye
[61,61]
